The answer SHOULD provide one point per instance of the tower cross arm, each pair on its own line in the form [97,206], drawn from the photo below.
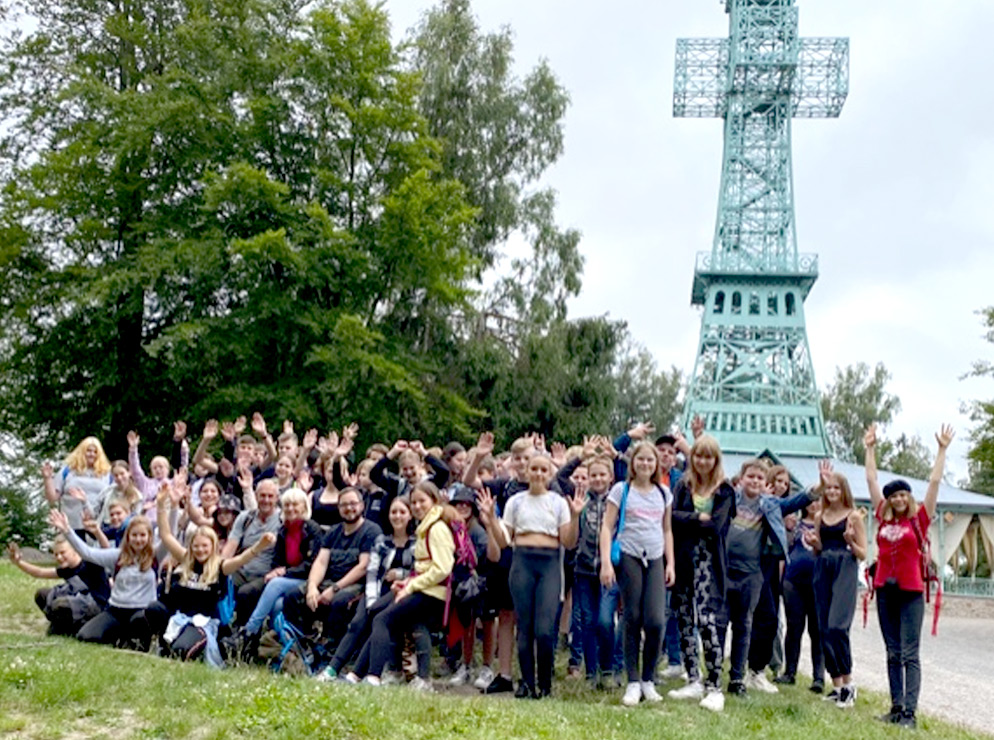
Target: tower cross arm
[821,80]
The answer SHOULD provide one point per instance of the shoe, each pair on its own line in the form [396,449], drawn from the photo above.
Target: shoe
[372,681]
[421,684]
[499,685]
[542,694]
[832,695]
[524,691]
[484,678]
[671,672]
[893,716]
[714,700]
[693,690]
[847,697]
[817,687]
[350,678]
[786,679]
[757,680]
[649,692]
[907,720]
[461,677]
[736,688]
[392,678]
[328,675]
[633,694]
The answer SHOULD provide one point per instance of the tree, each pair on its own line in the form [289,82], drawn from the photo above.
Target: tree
[22,510]
[910,457]
[855,399]
[981,454]
[643,391]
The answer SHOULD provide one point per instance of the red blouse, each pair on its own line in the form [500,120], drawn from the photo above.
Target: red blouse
[899,551]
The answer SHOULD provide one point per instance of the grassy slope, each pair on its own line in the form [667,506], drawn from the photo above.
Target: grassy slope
[55,687]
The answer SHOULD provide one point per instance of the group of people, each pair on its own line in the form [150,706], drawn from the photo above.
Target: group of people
[647,547]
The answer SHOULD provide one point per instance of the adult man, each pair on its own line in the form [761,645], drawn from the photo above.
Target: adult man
[248,529]
[336,580]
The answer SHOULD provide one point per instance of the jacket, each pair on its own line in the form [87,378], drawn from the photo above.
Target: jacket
[588,547]
[434,556]
[773,510]
[688,530]
[310,546]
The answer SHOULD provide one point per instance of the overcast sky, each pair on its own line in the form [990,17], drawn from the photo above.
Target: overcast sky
[895,195]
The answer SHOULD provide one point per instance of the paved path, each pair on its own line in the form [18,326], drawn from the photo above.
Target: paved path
[957,667]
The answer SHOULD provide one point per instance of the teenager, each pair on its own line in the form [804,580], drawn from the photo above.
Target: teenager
[703,507]
[800,605]
[159,468]
[646,567]
[537,523]
[411,460]
[80,597]
[86,470]
[418,601]
[135,566]
[188,610]
[839,539]
[902,526]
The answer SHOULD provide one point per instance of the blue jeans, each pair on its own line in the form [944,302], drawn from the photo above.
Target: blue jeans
[602,647]
[671,640]
[271,601]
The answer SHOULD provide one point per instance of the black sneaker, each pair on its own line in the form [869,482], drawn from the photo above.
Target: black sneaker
[524,691]
[832,695]
[892,716]
[786,679]
[817,687]
[499,685]
[736,688]
[907,720]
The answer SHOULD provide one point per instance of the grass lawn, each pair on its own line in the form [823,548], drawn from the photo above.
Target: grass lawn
[58,688]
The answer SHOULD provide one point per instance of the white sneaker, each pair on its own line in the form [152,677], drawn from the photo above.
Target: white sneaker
[673,671]
[633,694]
[847,697]
[461,677]
[693,690]
[420,684]
[371,681]
[485,677]
[327,675]
[392,678]
[649,692]
[714,700]
[352,678]
[758,681]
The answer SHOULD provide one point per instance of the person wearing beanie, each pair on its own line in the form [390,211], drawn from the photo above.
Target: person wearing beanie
[902,526]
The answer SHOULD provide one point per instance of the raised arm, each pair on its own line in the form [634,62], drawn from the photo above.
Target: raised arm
[870,464]
[14,552]
[163,505]
[105,558]
[944,437]
[486,518]
[484,447]
[135,462]
[47,477]
[230,565]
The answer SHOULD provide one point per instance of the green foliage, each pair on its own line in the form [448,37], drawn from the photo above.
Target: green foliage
[856,398]
[644,392]
[910,457]
[22,511]
[981,454]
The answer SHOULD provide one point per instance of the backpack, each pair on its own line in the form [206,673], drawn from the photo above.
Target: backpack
[930,574]
[69,605]
[226,606]
[297,654]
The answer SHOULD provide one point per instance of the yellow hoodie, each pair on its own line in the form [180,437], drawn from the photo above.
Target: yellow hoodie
[434,536]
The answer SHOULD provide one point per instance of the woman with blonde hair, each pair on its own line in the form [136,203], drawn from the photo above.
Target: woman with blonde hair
[703,508]
[902,526]
[78,486]
[839,539]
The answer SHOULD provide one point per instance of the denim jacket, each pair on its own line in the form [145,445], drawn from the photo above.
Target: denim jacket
[773,510]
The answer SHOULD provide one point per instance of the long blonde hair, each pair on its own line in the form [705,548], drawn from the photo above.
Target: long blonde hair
[211,567]
[143,558]
[887,511]
[703,485]
[76,460]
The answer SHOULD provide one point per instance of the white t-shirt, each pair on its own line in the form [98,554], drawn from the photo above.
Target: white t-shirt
[642,535]
[544,513]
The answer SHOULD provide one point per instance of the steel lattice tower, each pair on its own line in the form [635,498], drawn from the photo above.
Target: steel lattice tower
[753,380]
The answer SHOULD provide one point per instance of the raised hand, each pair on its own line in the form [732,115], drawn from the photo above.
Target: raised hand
[697,426]
[90,524]
[539,441]
[345,445]
[870,437]
[577,501]
[259,424]
[210,429]
[419,447]
[179,430]
[559,453]
[245,478]
[945,436]
[133,440]
[485,444]
[58,520]
[399,446]
[486,504]
[163,497]
[331,443]
[46,470]
[240,423]
[229,431]
[825,471]
[310,439]
[305,481]
[607,447]
[287,426]
[589,447]
[13,552]
[351,431]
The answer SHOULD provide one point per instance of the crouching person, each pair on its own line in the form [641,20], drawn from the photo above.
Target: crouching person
[81,596]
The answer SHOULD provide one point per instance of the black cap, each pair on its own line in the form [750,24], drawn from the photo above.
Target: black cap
[896,486]
[665,439]
[460,493]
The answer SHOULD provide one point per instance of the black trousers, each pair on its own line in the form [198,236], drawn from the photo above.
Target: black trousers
[119,626]
[901,614]
[801,609]
[536,584]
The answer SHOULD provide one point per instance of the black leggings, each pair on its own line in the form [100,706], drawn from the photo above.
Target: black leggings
[392,623]
[119,626]
[801,609]
[835,583]
[643,596]
[536,583]
[766,617]
[901,614]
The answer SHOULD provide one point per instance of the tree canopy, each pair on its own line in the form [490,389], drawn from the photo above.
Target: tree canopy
[981,455]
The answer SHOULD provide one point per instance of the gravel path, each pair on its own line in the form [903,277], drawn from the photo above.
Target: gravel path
[957,667]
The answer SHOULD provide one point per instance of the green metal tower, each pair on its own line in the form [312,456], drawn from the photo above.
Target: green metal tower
[753,380]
